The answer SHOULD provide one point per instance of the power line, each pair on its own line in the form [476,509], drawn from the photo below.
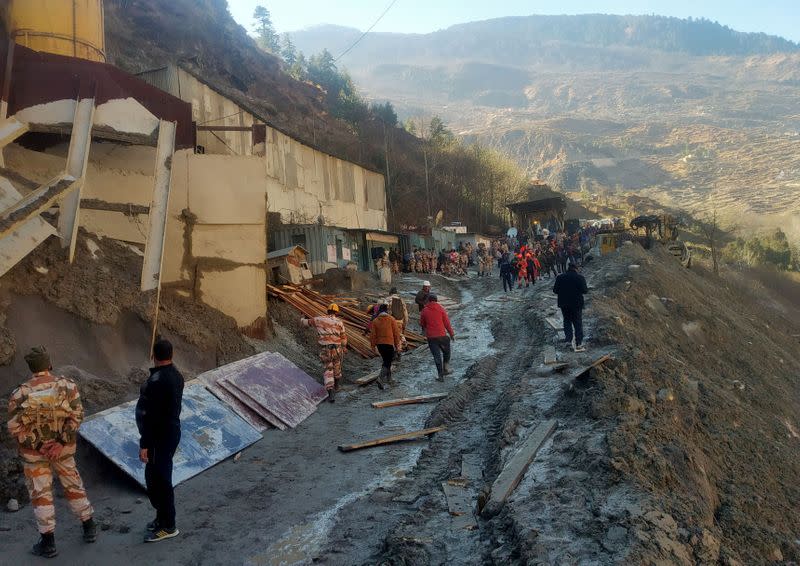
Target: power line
[375,23]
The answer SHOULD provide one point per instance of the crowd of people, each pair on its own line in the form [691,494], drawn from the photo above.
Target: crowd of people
[529,256]
[420,260]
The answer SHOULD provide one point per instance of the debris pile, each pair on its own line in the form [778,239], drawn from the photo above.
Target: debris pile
[312,304]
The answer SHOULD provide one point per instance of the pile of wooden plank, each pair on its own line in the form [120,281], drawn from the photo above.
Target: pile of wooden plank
[311,304]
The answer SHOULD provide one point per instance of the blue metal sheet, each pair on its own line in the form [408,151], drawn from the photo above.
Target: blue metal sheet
[210,432]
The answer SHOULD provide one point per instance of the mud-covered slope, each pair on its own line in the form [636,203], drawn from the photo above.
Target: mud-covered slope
[707,396]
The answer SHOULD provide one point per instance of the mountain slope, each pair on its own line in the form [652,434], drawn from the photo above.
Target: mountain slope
[689,112]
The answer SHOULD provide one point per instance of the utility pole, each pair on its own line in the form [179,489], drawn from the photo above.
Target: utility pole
[425,158]
[388,178]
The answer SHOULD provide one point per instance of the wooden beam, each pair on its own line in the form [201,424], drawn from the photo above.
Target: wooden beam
[11,129]
[367,379]
[392,439]
[515,469]
[99,132]
[25,237]
[125,208]
[409,400]
[77,157]
[35,203]
[15,177]
[154,248]
[224,128]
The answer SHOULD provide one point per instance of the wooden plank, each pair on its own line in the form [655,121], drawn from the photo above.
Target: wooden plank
[555,323]
[516,467]
[459,505]
[409,400]
[580,371]
[414,435]
[367,379]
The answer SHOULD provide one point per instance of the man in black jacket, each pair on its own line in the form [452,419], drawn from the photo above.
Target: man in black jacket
[570,288]
[158,419]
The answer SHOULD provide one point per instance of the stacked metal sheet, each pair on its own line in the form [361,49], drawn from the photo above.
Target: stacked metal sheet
[266,388]
[210,432]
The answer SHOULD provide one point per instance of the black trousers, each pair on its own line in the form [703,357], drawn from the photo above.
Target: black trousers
[573,318]
[387,355]
[508,281]
[440,348]
[158,476]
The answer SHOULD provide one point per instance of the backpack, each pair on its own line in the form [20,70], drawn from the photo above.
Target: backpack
[45,408]
[397,308]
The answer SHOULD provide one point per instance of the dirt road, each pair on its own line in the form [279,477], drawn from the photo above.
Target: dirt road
[293,497]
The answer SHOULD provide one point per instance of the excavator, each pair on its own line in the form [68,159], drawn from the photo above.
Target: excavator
[663,228]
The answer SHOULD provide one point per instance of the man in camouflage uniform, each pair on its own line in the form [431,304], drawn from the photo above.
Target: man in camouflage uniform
[333,343]
[44,415]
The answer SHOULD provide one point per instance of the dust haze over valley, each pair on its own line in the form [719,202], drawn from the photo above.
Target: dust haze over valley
[687,112]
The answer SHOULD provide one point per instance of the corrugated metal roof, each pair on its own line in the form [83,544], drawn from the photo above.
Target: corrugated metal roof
[285,251]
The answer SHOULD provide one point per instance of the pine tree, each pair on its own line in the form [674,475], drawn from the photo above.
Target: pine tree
[266,38]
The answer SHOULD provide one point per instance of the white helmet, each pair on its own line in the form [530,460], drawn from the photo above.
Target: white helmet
[426,283]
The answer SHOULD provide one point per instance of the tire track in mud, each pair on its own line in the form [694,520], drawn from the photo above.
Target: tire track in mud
[408,522]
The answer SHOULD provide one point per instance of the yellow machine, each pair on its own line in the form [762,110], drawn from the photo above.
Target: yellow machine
[65,27]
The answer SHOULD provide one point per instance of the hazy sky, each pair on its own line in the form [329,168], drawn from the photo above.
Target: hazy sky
[778,17]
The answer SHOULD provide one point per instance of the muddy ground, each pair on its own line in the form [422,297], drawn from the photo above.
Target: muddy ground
[642,468]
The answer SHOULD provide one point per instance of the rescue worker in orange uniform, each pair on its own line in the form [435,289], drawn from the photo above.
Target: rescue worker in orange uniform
[384,337]
[333,343]
[44,415]
[522,274]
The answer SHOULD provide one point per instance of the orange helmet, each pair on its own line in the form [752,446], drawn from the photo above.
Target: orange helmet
[333,307]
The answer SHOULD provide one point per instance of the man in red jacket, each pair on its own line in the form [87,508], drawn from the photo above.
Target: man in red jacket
[436,324]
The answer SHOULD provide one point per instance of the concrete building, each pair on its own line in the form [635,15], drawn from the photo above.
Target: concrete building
[218,200]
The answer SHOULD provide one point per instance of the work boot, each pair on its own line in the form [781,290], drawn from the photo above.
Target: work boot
[89,530]
[379,381]
[447,370]
[440,377]
[46,546]
[331,395]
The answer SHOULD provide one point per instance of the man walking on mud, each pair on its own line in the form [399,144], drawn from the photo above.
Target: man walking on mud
[158,413]
[333,343]
[436,324]
[422,296]
[44,415]
[570,288]
[384,338]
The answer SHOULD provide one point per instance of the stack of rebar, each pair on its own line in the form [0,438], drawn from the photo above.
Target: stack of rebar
[311,304]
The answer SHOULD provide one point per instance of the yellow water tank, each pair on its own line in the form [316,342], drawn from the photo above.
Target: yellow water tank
[65,27]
